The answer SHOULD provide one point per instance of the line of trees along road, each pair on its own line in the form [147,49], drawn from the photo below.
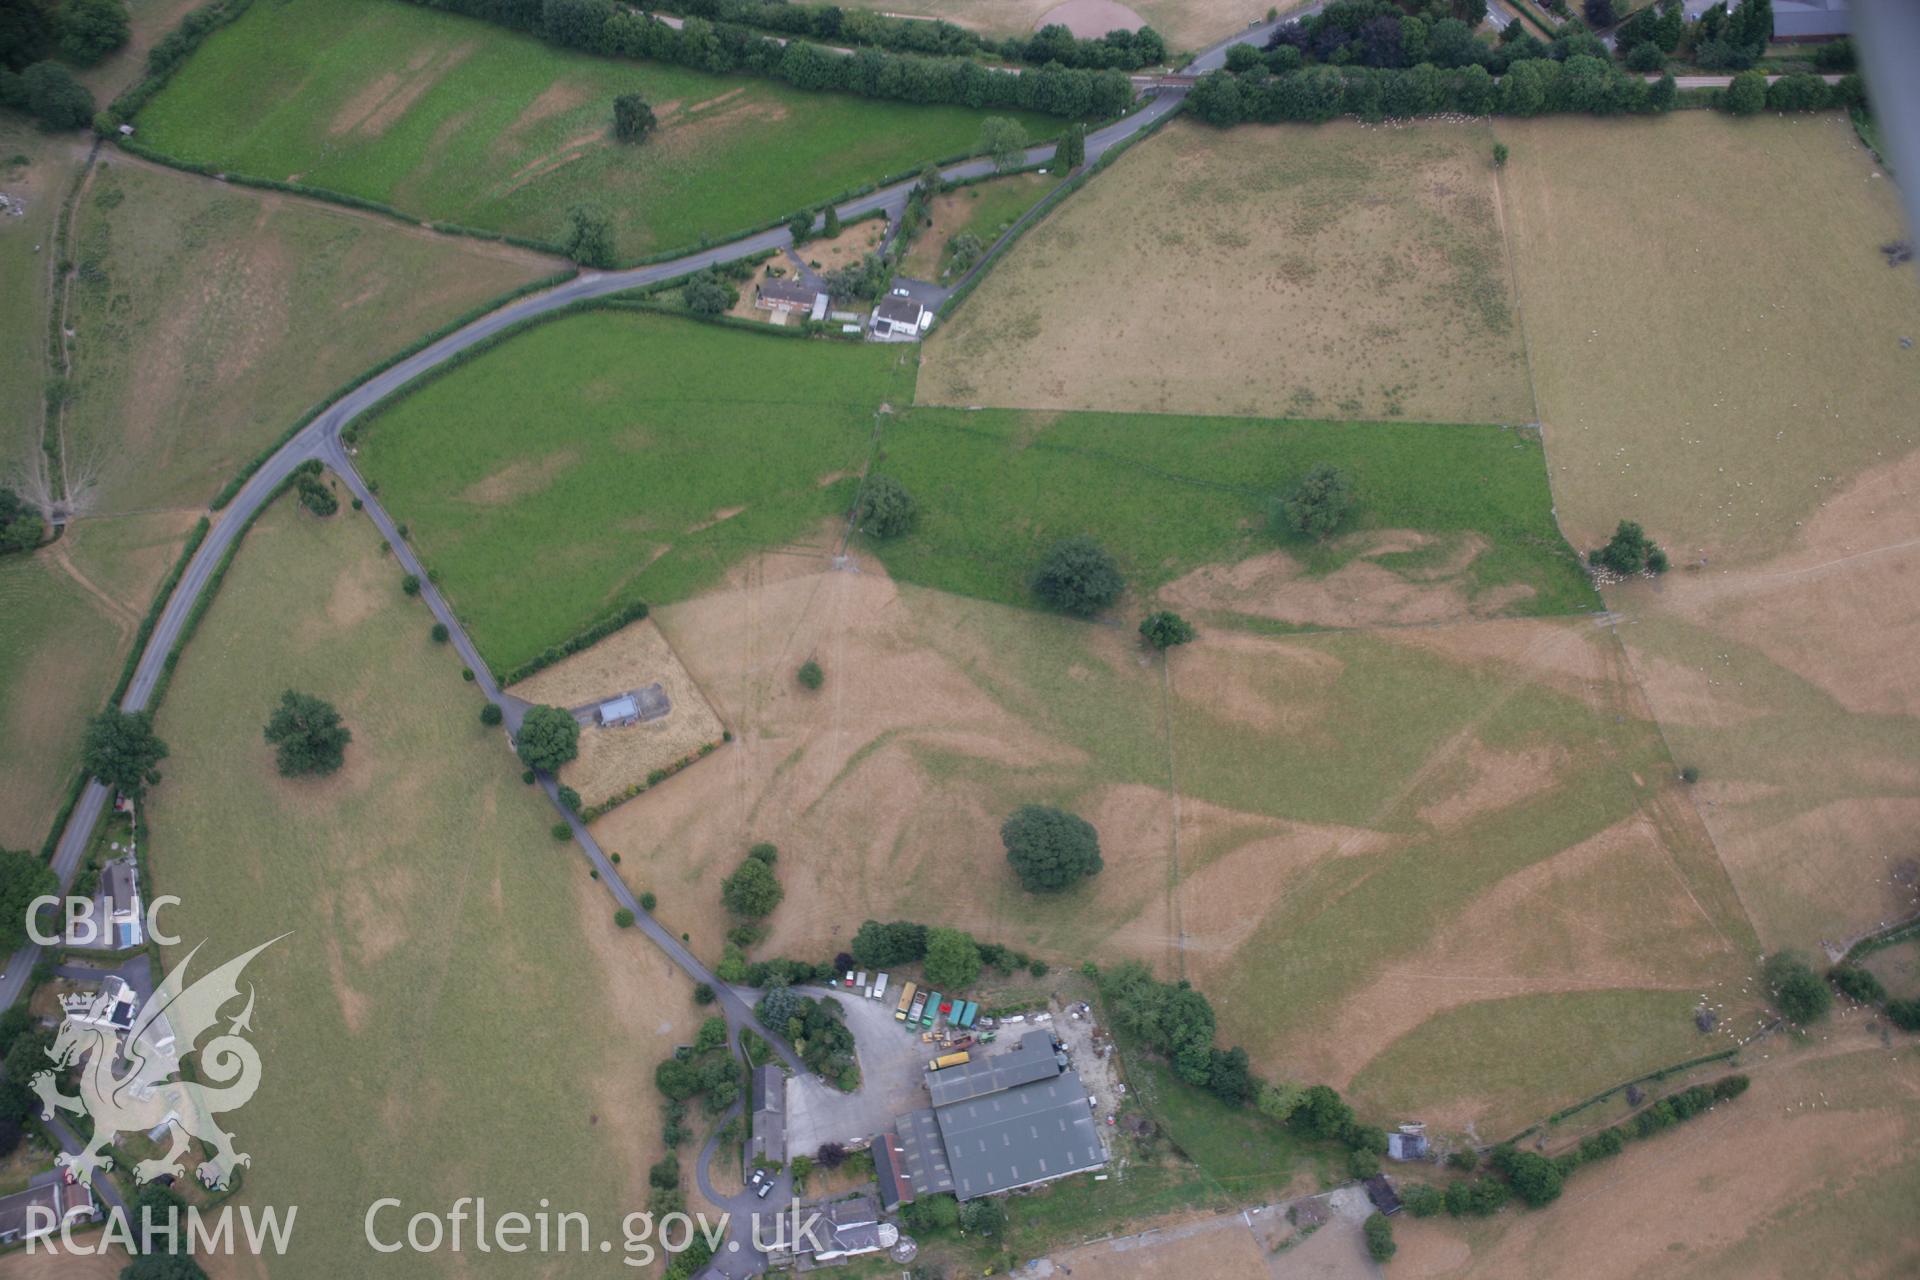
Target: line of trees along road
[604,27]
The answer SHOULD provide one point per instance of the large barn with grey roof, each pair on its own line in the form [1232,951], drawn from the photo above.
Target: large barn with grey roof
[1000,1122]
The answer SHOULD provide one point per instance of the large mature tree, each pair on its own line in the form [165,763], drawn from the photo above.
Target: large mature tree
[1798,992]
[1318,504]
[633,119]
[1050,849]
[1629,551]
[308,733]
[753,890]
[548,738]
[55,98]
[1165,629]
[122,751]
[1005,140]
[23,877]
[21,527]
[92,29]
[884,508]
[589,237]
[953,958]
[1073,147]
[1077,576]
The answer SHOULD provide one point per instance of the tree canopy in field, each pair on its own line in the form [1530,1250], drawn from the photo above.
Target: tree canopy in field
[884,509]
[549,737]
[1630,550]
[589,237]
[752,890]
[1798,992]
[1077,576]
[1050,849]
[1318,505]
[308,734]
[1165,629]
[122,751]
[633,119]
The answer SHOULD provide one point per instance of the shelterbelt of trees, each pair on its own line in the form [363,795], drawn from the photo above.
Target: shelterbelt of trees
[606,28]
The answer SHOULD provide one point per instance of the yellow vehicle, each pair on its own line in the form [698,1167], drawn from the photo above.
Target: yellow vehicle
[906,999]
[950,1060]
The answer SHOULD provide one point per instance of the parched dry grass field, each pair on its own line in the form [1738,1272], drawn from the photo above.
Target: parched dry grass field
[454,1012]
[208,318]
[1340,271]
[615,758]
[1812,1172]
[1347,839]
[1715,332]
[1716,339]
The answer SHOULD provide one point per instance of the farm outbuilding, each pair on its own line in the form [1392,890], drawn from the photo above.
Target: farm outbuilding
[620,710]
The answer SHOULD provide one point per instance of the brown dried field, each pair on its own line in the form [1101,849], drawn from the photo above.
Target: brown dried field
[1715,334]
[1341,837]
[1789,685]
[1342,271]
[615,758]
[192,346]
[1812,1172]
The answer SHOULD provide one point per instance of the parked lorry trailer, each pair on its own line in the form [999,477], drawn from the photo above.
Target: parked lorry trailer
[968,1014]
[946,1060]
[906,1002]
[931,1012]
[915,1009]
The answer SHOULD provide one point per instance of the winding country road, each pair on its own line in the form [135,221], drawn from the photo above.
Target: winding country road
[320,440]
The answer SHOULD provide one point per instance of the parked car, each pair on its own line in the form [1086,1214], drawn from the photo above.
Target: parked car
[759,1176]
[766,1189]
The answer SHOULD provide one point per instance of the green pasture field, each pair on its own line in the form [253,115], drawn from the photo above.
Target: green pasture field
[438,947]
[611,455]
[1167,494]
[1533,1053]
[209,318]
[459,121]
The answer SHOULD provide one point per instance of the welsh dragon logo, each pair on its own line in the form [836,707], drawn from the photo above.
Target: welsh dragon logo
[147,1095]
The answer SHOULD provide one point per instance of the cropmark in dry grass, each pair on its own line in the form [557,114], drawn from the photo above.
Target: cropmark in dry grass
[1339,837]
[1716,337]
